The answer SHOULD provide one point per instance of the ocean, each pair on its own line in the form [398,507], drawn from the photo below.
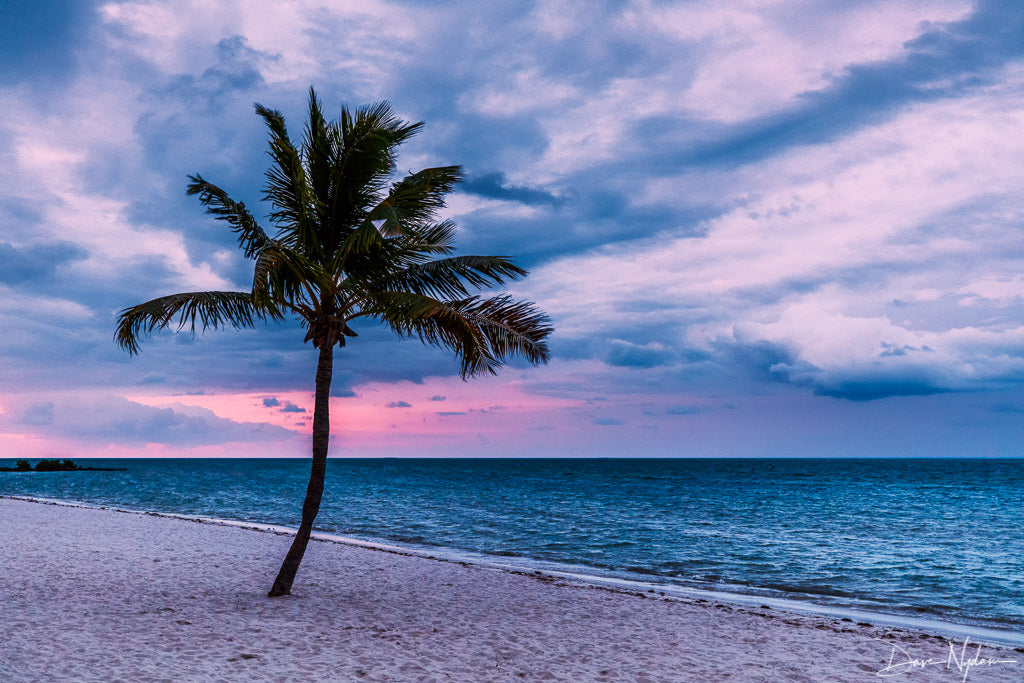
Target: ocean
[922,540]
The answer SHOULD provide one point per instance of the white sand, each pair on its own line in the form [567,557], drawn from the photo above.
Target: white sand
[102,595]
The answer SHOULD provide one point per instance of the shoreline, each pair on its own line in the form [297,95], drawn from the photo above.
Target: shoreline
[97,593]
[934,626]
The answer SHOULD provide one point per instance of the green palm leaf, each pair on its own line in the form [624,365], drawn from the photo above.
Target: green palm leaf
[251,237]
[453,277]
[286,188]
[433,238]
[208,309]
[483,333]
[415,199]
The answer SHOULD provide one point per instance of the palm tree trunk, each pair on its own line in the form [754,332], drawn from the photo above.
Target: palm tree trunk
[315,489]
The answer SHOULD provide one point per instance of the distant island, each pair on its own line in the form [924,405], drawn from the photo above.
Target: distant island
[64,465]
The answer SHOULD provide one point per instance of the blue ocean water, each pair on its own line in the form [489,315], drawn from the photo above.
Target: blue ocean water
[939,538]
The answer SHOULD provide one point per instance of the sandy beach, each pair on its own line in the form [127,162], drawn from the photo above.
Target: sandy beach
[104,595]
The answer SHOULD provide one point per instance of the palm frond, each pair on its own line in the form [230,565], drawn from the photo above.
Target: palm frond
[362,158]
[208,309]
[251,237]
[433,238]
[362,240]
[281,275]
[318,150]
[406,213]
[512,328]
[434,322]
[376,121]
[415,199]
[452,277]
[286,187]
[482,333]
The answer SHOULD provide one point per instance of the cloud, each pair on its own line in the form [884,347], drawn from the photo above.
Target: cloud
[948,59]
[438,397]
[494,185]
[683,410]
[236,68]
[627,354]
[115,420]
[398,404]
[798,284]
[36,262]
[39,41]
[865,358]
[885,387]
[38,415]
[286,407]
[268,360]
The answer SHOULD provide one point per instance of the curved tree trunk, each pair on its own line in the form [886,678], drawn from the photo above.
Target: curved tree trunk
[315,489]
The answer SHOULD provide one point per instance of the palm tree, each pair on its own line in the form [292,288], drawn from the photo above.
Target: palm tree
[350,244]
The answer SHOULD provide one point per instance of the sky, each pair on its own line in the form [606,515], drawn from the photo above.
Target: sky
[760,227]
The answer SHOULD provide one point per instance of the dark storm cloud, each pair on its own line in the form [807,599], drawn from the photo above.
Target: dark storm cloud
[495,186]
[627,354]
[887,387]
[29,264]
[343,391]
[947,60]
[597,216]
[852,381]
[236,67]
